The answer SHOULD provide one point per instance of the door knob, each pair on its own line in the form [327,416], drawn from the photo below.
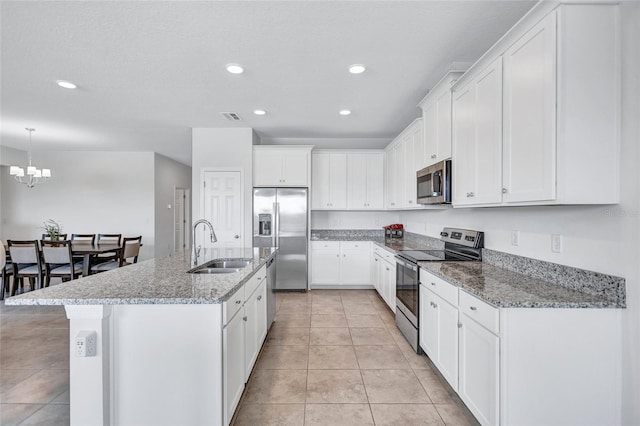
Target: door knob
[236,236]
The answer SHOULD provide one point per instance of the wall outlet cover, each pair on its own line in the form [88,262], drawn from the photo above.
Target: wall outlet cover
[556,243]
[515,238]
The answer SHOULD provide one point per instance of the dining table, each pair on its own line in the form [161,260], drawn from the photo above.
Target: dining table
[88,250]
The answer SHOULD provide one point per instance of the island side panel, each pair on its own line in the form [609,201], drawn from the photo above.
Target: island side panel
[90,377]
[167,364]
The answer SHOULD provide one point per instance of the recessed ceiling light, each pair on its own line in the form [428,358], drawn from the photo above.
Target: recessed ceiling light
[357,69]
[66,84]
[259,112]
[235,69]
[345,112]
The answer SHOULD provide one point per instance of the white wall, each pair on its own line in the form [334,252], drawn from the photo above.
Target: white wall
[9,157]
[351,220]
[225,148]
[169,174]
[90,192]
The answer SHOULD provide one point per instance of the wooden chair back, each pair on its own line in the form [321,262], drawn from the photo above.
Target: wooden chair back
[57,252]
[25,251]
[110,238]
[84,238]
[131,249]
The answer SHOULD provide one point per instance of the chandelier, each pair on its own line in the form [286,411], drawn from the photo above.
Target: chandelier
[34,176]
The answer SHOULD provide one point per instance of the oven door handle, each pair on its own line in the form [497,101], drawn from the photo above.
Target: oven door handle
[406,265]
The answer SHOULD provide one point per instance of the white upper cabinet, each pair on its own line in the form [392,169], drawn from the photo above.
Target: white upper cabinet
[329,180]
[365,181]
[529,138]
[559,113]
[403,158]
[436,116]
[477,138]
[281,165]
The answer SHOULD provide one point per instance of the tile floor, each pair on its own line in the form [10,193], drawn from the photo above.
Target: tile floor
[332,358]
[34,365]
[336,357]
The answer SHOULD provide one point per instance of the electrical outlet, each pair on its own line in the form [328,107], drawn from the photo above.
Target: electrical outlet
[86,343]
[515,238]
[556,243]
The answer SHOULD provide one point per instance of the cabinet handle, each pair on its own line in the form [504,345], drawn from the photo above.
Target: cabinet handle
[473,308]
[504,190]
[244,318]
[471,194]
[260,297]
[387,269]
[433,283]
[344,255]
[435,305]
[238,302]
[433,156]
[410,201]
[459,325]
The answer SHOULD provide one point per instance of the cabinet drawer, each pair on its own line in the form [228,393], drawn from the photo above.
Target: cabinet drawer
[354,245]
[447,291]
[232,305]
[325,245]
[485,314]
[388,256]
[253,283]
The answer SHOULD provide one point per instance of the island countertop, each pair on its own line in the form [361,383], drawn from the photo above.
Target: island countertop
[155,281]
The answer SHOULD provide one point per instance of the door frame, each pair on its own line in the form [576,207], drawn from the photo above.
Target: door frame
[187,215]
[204,170]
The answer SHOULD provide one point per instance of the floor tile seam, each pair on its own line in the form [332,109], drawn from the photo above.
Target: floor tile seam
[33,414]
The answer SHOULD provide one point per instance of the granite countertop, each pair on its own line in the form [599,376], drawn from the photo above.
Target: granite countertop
[506,289]
[154,281]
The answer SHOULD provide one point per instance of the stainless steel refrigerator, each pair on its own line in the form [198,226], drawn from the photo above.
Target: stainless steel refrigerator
[280,220]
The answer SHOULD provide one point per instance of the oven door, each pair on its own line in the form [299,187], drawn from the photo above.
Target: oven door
[407,282]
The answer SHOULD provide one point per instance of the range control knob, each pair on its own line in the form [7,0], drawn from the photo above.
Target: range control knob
[469,238]
[444,234]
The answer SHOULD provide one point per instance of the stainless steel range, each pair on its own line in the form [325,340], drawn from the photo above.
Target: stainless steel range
[459,245]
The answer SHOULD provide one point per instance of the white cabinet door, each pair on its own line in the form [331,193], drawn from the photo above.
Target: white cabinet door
[375,181]
[267,168]
[251,348]
[320,181]
[376,273]
[448,341]
[477,138]
[389,284]
[325,266]
[443,126]
[355,267]
[233,364]
[358,181]
[430,120]
[412,151]
[529,140]
[295,166]
[479,370]
[428,322]
[391,194]
[261,314]
[329,181]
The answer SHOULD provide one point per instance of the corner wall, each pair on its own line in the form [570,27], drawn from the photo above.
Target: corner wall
[168,175]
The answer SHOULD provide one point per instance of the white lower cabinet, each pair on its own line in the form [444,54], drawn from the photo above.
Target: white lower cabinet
[479,370]
[514,366]
[384,276]
[439,333]
[242,339]
[340,263]
[233,343]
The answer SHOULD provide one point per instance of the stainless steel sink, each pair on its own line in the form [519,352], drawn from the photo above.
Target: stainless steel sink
[221,266]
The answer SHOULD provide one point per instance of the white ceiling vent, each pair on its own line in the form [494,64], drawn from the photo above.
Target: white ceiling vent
[231,116]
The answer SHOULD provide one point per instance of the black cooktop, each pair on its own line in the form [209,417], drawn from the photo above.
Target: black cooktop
[431,255]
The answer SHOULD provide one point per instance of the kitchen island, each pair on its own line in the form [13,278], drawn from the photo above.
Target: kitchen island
[171,347]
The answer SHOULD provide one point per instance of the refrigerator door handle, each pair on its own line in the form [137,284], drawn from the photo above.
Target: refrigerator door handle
[276,221]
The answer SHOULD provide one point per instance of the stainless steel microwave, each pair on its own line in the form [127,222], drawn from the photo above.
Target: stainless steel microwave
[434,183]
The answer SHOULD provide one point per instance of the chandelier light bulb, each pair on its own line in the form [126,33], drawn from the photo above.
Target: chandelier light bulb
[34,175]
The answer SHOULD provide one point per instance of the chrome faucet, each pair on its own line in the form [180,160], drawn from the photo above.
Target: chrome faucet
[196,251]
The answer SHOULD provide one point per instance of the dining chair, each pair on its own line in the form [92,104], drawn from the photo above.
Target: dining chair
[25,258]
[111,239]
[48,237]
[58,261]
[128,255]
[6,269]
[84,238]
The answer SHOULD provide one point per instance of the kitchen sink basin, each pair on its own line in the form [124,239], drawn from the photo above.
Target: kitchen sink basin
[221,266]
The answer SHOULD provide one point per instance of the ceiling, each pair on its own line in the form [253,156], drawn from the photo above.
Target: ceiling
[147,72]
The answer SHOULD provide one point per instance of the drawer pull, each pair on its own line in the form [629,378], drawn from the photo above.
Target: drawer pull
[473,308]
[238,302]
[433,283]
[260,297]
[244,318]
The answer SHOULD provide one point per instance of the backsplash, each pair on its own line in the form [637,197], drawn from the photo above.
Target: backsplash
[607,286]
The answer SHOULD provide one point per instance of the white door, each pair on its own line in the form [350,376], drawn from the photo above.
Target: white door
[294,168]
[321,181]
[448,341]
[357,181]
[222,206]
[325,267]
[428,323]
[233,368]
[375,181]
[355,267]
